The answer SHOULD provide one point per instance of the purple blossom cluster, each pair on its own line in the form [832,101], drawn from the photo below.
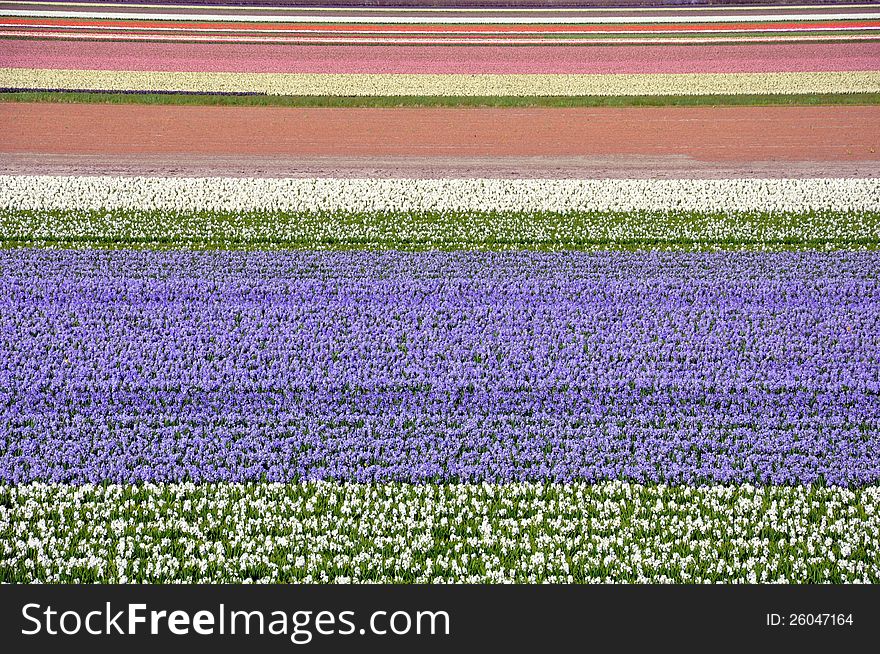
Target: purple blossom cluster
[684,368]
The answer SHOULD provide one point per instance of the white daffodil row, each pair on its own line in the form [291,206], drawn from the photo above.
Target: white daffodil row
[400,195]
[331,532]
[583,230]
[408,84]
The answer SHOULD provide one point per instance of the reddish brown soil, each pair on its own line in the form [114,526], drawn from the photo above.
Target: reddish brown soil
[725,137]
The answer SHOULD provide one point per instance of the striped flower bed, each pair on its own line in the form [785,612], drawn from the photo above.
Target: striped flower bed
[430,51]
[451,378]
[478,25]
[631,417]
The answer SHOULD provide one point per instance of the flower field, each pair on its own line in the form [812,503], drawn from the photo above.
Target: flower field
[646,351]
[428,51]
[677,368]
[526,533]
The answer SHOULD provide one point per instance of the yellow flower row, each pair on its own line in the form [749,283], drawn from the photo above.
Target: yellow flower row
[316,84]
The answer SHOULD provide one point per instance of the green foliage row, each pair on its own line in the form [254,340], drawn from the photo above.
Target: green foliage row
[446,230]
[95,97]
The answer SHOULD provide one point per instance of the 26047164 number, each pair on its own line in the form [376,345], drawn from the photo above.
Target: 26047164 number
[822,619]
[810,620]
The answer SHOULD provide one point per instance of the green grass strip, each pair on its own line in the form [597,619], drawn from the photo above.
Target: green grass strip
[438,101]
[435,230]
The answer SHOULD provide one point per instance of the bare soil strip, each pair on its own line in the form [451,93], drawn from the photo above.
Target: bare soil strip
[720,134]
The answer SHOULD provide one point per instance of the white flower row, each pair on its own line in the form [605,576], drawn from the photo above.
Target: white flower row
[244,194]
[331,532]
[405,84]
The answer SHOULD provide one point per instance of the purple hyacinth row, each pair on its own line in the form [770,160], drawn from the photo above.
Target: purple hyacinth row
[683,368]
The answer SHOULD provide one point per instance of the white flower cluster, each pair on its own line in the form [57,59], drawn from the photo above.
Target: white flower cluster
[401,195]
[584,230]
[332,532]
[422,84]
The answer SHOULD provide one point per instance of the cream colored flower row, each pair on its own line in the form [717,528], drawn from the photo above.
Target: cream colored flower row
[320,84]
[401,195]
[331,532]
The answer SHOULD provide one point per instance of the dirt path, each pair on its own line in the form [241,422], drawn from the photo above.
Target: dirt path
[676,141]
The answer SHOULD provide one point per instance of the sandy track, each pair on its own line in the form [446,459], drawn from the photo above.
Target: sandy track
[722,134]
[232,57]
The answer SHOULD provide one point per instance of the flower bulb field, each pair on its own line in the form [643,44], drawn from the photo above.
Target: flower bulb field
[437,292]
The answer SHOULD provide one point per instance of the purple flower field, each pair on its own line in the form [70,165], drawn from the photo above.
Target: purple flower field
[682,368]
